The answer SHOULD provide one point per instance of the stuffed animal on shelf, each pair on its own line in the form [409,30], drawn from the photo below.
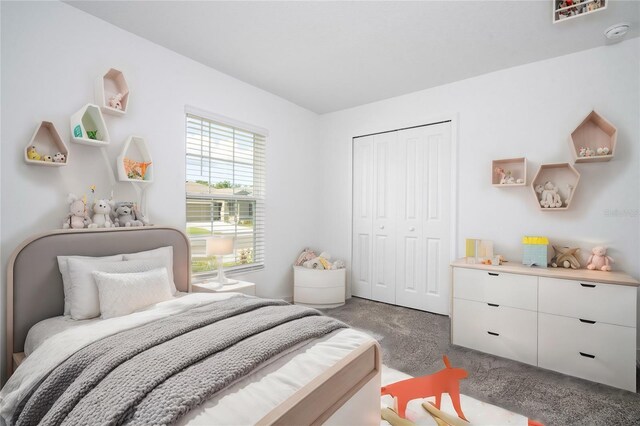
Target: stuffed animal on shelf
[47,158]
[307,254]
[599,259]
[115,101]
[32,154]
[60,158]
[92,134]
[499,171]
[565,257]
[444,381]
[590,152]
[101,214]
[603,150]
[549,195]
[582,152]
[77,217]
[124,215]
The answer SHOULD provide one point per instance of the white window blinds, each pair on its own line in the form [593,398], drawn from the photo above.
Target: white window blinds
[225,192]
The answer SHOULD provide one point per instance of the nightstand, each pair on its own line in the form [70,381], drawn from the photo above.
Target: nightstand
[244,287]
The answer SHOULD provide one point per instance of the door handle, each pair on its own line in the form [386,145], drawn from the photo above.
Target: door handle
[587,355]
[493,274]
[381,226]
[412,229]
[588,285]
[495,306]
[495,334]
[587,321]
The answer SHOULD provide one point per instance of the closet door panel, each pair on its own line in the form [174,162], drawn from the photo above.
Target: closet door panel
[362,253]
[384,217]
[410,248]
[436,220]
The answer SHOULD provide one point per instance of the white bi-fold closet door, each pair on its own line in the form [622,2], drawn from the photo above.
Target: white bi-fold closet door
[402,217]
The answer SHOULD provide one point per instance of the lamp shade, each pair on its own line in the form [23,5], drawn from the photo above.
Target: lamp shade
[219,246]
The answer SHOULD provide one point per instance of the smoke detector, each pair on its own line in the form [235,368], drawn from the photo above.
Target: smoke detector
[617,31]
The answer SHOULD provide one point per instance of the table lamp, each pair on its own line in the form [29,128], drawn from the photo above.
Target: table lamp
[218,247]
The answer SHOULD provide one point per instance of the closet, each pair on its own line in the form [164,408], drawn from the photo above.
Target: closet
[402,217]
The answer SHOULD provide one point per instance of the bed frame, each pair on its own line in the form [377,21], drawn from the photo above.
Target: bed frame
[350,390]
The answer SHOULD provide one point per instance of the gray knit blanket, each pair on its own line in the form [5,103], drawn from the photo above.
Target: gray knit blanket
[156,373]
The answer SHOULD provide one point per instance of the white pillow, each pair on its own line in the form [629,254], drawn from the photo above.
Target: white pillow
[84,292]
[166,253]
[66,280]
[122,294]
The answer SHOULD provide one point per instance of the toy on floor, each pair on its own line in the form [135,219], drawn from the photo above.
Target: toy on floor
[444,381]
[599,259]
[565,257]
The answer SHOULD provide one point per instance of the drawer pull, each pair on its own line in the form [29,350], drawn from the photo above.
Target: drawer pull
[493,304]
[587,355]
[588,285]
[493,274]
[587,321]
[492,333]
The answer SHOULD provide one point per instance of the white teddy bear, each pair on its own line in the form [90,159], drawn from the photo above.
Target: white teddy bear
[549,195]
[101,214]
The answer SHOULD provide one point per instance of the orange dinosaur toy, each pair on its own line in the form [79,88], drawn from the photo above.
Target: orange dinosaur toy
[444,381]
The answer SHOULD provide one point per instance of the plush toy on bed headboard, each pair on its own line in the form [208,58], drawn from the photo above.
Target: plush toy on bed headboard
[77,217]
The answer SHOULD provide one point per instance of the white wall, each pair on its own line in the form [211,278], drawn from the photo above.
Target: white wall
[524,111]
[51,54]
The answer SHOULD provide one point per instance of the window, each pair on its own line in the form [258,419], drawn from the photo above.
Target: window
[225,192]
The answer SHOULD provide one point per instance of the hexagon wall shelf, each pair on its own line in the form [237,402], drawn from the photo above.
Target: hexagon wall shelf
[47,141]
[135,148]
[594,132]
[89,119]
[108,86]
[564,176]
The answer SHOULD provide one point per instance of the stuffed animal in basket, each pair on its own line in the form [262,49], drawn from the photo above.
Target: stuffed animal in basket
[565,257]
[77,217]
[444,381]
[101,214]
[599,260]
[307,254]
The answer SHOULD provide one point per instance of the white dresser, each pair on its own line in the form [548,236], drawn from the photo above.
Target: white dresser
[577,322]
[319,288]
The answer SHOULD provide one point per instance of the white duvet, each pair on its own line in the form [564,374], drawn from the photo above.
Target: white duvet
[243,403]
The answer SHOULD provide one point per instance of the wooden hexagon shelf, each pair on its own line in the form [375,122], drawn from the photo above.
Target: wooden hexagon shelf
[564,178]
[135,149]
[595,132]
[87,121]
[107,88]
[47,141]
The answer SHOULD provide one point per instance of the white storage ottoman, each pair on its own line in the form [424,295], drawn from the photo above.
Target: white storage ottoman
[319,288]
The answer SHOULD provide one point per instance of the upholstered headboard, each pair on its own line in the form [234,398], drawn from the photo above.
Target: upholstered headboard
[34,283]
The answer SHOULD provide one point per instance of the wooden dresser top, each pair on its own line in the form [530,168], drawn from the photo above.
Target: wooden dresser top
[612,277]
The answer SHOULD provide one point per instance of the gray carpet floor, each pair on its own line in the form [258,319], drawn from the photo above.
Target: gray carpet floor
[414,342]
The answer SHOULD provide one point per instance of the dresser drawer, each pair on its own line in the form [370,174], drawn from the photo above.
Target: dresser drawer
[499,330]
[609,303]
[513,290]
[600,352]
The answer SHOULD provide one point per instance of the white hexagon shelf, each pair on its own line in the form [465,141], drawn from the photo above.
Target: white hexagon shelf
[88,127]
[564,179]
[112,92]
[46,141]
[135,153]
[593,140]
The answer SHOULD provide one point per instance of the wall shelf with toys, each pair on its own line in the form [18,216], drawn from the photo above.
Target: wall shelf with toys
[88,127]
[509,172]
[593,140]
[554,186]
[112,92]
[46,147]
[134,162]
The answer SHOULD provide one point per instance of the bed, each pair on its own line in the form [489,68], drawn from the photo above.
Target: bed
[332,379]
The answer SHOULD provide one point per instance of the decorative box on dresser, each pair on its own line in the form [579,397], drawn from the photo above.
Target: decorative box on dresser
[577,322]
